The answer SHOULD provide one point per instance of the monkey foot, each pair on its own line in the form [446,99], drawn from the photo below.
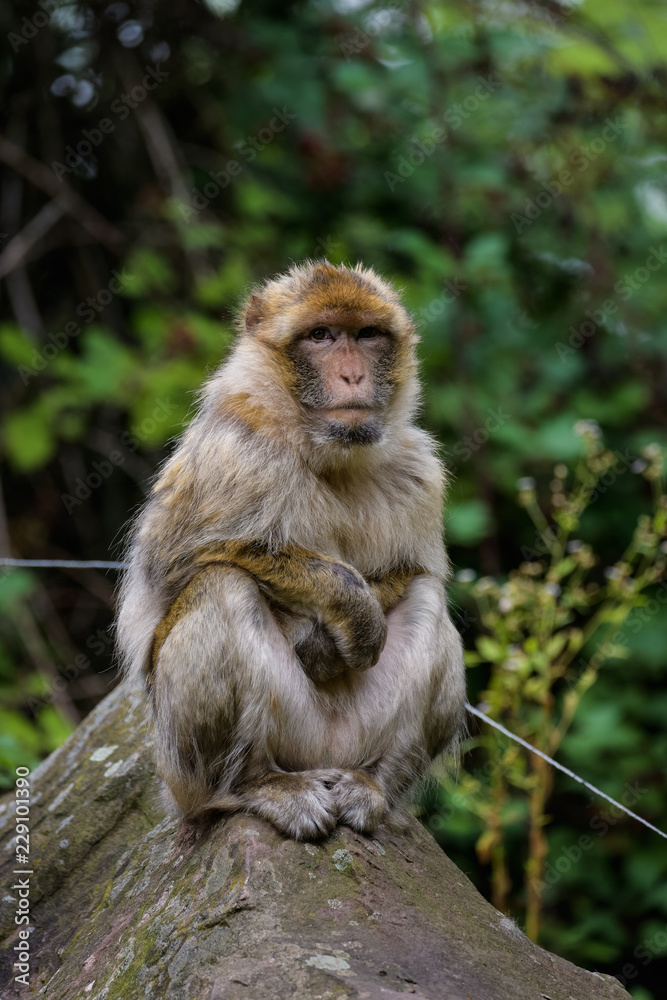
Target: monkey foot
[360,802]
[300,804]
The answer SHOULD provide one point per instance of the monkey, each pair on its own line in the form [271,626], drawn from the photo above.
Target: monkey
[285,604]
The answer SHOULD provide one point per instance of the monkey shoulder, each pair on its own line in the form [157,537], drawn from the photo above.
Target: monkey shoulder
[218,486]
[414,466]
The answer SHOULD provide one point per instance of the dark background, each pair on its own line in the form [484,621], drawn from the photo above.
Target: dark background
[504,163]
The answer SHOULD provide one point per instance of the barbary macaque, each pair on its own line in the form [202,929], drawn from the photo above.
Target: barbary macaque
[285,602]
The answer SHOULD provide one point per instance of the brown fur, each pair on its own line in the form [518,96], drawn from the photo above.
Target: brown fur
[285,600]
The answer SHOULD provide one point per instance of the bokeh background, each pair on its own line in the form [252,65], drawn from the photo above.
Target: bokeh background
[504,162]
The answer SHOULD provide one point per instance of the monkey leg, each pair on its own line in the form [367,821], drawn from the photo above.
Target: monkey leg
[414,696]
[385,726]
[360,801]
[298,803]
[240,726]
[399,715]
[201,684]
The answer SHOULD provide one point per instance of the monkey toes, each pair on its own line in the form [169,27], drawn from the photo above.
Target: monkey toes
[307,805]
[299,804]
[360,802]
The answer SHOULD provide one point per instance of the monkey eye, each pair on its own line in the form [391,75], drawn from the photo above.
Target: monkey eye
[367,332]
[319,334]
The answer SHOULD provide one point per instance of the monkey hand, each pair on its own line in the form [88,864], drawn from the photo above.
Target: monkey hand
[319,654]
[356,621]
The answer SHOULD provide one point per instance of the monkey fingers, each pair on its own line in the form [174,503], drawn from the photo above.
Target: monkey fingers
[307,805]
[318,654]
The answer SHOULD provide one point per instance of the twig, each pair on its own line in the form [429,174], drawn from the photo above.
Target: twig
[19,288]
[5,547]
[20,245]
[164,156]
[41,177]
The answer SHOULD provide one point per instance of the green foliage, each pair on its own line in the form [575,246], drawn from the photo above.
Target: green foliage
[23,742]
[547,630]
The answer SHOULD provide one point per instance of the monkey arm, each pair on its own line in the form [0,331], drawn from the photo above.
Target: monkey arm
[351,611]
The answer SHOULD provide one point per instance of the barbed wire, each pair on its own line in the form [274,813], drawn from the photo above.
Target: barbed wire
[101,564]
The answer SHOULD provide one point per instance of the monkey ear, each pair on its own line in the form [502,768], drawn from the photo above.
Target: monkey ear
[254,311]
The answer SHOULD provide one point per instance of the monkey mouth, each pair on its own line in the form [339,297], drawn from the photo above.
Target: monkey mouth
[353,424]
[350,408]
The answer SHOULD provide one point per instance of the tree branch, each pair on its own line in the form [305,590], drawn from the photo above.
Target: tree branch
[40,176]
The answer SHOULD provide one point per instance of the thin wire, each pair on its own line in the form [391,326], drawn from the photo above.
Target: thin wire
[65,563]
[88,564]
[561,767]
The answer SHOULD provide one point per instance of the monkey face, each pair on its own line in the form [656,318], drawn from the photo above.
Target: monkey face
[343,376]
[341,344]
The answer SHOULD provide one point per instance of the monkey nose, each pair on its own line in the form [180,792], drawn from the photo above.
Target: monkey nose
[352,379]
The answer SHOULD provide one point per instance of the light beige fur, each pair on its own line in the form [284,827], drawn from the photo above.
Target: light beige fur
[240,722]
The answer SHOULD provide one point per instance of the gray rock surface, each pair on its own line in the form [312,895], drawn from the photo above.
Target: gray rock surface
[126,904]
